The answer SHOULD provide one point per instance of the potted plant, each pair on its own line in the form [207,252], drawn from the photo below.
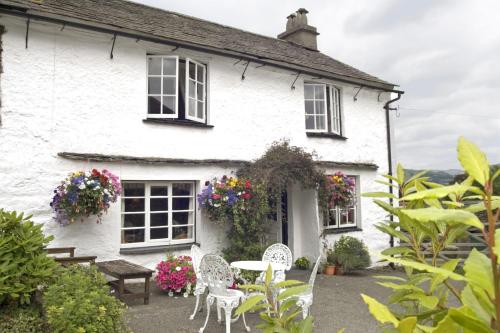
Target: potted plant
[302,263]
[176,275]
[330,265]
[350,254]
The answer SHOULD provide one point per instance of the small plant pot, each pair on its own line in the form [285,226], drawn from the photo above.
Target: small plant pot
[329,270]
[339,270]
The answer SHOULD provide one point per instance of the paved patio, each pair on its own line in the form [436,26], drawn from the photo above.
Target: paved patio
[337,304]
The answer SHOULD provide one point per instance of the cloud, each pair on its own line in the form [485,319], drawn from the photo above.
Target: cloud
[444,54]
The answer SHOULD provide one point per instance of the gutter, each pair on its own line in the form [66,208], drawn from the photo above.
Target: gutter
[388,108]
[128,33]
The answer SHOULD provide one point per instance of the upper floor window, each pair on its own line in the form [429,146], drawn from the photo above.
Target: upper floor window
[322,108]
[176,88]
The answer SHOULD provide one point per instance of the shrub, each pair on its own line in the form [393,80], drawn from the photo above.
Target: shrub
[302,263]
[16,319]
[351,254]
[25,264]
[80,302]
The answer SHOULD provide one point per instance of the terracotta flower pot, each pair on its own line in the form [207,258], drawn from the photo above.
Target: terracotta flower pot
[329,270]
[338,270]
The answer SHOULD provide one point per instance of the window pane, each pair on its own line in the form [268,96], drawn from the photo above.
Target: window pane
[168,105]
[319,92]
[159,191]
[133,190]
[182,233]
[182,189]
[154,104]
[181,203]
[308,91]
[309,107]
[192,107]
[169,66]
[169,85]
[200,74]
[320,122]
[200,88]
[332,217]
[158,233]
[132,236]
[319,107]
[192,89]
[310,122]
[192,70]
[200,110]
[132,220]
[133,205]
[344,217]
[154,66]
[158,204]
[159,219]
[182,218]
[154,85]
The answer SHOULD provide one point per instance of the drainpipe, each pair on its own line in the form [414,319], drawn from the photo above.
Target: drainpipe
[389,150]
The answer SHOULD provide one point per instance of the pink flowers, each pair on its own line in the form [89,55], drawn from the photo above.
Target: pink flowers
[176,274]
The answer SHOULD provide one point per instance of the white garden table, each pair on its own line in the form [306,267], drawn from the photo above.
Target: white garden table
[254,265]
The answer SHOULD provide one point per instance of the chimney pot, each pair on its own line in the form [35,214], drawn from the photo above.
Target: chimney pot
[299,32]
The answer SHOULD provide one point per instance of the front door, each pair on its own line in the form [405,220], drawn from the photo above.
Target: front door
[278,232]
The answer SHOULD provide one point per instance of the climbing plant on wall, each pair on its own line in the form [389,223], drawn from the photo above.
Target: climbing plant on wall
[281,165]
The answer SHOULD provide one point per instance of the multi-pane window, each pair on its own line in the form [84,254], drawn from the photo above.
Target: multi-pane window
[345,216]
[176,88]
[322,108]
[157,212]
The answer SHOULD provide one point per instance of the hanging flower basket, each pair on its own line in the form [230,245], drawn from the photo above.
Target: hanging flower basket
[341,188]
[83,194]
[222,196]
[176,276]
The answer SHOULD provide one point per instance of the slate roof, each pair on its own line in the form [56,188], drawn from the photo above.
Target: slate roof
[130,17]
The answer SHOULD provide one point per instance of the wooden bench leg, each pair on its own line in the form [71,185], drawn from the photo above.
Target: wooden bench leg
[121,288]
[146,291]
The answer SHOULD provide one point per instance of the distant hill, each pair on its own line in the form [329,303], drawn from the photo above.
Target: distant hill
[437,176]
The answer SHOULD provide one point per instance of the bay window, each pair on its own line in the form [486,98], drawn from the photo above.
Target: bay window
[176,88]
[157,213]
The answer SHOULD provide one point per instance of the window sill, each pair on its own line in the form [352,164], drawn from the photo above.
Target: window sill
[328,231]
[156,248]
[325,135]
[179,122]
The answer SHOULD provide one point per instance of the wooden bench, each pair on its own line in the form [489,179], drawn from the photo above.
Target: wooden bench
[124,270]
[70,259]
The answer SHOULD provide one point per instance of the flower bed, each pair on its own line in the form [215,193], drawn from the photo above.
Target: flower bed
[176,275]
[221,196]
[83,194]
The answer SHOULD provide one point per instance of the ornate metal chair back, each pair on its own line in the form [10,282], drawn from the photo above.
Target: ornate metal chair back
[314,272]
[217,274]
[196,255]
[278,253]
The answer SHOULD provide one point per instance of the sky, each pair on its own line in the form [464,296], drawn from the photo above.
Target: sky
[445,55]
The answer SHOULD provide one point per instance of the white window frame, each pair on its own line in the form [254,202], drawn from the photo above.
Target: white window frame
[314,114]
[147,214]
[338,211]
[187,98]
[335,110]
[161,95]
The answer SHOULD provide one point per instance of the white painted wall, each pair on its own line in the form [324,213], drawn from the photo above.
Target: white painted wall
[63,93]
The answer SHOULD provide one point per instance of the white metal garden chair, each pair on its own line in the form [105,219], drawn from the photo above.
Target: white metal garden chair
[305,299]
[201,286]
[218,276]
[277,253]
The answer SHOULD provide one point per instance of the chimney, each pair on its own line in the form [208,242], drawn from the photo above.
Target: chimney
[299,32]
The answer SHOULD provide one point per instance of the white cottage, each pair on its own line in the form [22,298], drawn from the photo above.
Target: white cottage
[167,101]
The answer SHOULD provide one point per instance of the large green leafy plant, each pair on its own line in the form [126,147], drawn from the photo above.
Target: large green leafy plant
[277,303]
[24,264]
[79,301]
[429,219]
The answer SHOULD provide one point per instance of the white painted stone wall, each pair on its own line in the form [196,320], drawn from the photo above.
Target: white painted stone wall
[64,93]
